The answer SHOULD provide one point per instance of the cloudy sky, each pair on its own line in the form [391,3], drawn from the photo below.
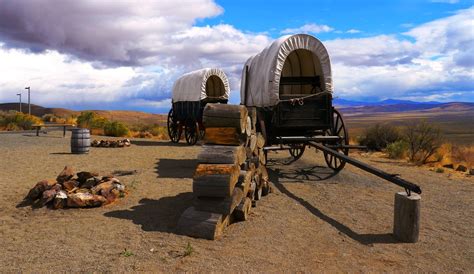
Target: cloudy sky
[89,54]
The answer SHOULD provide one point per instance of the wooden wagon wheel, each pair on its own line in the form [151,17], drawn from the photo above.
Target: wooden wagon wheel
[202,131]
[338,129]
[296,151]
[174,130]
[191,132]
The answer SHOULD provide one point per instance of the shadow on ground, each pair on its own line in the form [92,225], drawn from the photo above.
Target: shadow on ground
[298,174]
[276,175]
[43,136]
[157,143]
[156,215]
[176,168]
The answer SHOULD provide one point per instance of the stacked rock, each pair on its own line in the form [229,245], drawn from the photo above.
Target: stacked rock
[84,189]
[111,143]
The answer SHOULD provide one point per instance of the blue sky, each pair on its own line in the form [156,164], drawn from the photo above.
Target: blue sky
[118,55]
[373,17]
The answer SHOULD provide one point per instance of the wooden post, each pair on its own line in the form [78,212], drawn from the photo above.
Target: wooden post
[406,220]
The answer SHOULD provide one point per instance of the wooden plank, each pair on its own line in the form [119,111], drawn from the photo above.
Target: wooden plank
[245,178]
[223,115]
[210,169]
[253,142]
[224,136]
[242,211]
[225,110]
[215,154]
[261,157]
[223,206]
[260,140]
[253,116]
[215,185]
[201,224]
[262,171]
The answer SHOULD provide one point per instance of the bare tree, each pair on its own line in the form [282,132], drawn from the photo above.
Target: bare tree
[423,140]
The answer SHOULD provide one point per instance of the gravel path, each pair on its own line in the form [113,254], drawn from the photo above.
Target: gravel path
[342,223]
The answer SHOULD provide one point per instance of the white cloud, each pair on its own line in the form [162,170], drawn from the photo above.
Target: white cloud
[353,31]
[91,42]
[436,63]
[308,28]
[83,57]
[111,32]
[445,1]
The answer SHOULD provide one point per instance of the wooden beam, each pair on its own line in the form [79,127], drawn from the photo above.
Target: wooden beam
[216,185]
[224,136]
[201,224]
[223,115]
[223,206]
[215,154]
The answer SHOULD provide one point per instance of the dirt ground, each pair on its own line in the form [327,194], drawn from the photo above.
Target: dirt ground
[312,222]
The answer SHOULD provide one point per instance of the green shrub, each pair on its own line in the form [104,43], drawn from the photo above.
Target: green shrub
[14,120]
[51,118]
[439,170]
[90,120]
[116,129]
[423,141]
[397,150]
[379,136]
[159,130]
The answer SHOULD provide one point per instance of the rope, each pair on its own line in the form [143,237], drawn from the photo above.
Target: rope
[300,100]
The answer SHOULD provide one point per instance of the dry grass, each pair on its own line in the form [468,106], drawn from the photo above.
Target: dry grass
[453,154]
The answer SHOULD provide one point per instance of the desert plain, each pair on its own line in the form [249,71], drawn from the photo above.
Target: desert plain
[313,221]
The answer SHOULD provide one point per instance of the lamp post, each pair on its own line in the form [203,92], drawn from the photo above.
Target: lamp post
[29,105]
[19,95]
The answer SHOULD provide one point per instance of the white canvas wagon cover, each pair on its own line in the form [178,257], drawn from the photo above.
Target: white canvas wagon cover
[201,84]
[267,67]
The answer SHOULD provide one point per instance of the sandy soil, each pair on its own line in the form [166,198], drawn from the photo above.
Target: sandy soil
[310,223]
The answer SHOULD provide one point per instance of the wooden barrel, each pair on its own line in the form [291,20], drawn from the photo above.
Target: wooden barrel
[80,141]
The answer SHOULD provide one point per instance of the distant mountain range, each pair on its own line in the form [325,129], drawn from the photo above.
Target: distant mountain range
[346,106]
[128,117]
[392,105]
[349,103]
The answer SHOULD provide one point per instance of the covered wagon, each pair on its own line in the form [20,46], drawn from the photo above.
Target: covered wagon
[290,85]
[191,92]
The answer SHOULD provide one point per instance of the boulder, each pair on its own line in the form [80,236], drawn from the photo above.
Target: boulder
[57,187]
[65,175]
[102,187]
[471,171]
[85,200]
[84,175]
[60,199]
[91,182]
[461,168]
[70,185]
[39,188]
[47,196]
[111,195]
[82,190]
